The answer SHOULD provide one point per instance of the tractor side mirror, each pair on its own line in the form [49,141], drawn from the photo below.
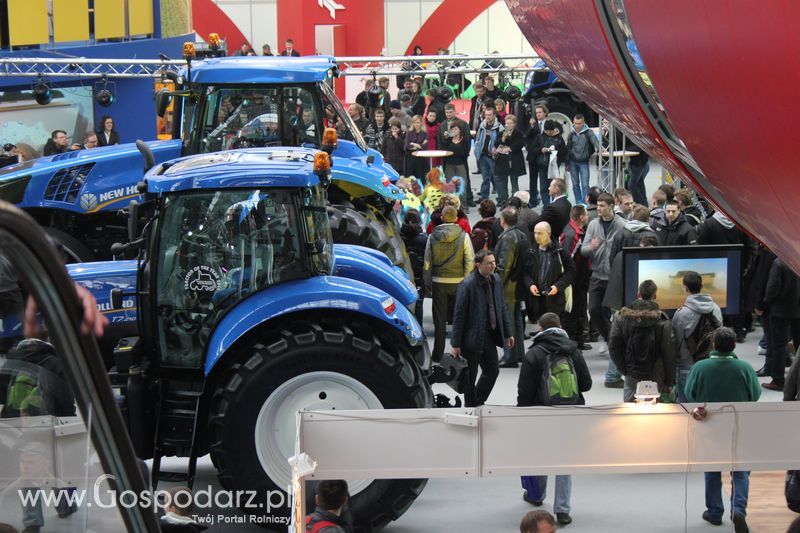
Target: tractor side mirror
[133,220]
[163,99]
[116,299]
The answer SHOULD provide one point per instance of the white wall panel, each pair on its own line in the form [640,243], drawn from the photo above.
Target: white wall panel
[256,19]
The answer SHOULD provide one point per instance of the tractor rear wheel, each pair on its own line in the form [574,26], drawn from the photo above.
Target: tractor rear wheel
[318,365]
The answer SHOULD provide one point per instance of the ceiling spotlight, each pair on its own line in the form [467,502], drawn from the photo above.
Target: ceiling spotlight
[42,92]
[103,93]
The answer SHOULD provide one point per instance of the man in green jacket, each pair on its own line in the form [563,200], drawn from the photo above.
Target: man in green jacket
[448,259]
[724,378]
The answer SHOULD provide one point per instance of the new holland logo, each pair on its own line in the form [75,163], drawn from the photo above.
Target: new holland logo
[88,201]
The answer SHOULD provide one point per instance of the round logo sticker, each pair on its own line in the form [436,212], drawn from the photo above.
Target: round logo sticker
[88,201]
[201,278]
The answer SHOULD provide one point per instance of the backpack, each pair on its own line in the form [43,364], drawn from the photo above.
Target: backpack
[641,352]
[559,384]
[699,341]
[23,397]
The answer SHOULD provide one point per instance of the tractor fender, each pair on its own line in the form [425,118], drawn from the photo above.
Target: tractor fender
[331,293]
[350,150]
[361,264]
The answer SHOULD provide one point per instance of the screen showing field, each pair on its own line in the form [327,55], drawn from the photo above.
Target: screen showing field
[668,276]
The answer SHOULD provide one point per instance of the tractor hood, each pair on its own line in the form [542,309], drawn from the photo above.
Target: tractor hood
[100,278]
[82,181]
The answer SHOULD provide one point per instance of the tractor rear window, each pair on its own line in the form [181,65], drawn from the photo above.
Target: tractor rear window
[217,248]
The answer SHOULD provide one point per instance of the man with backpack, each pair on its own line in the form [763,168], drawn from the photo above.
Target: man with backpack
[510,251]
[694,323]
[642,343]
[553,372]
[331,498]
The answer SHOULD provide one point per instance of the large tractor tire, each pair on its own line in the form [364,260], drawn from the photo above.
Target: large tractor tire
[321,365]
[370,229]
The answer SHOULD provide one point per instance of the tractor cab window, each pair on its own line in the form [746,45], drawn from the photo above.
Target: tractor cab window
[217,248]
[336,115]
[247,117]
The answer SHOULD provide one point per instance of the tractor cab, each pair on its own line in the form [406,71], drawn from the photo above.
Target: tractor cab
[233,233]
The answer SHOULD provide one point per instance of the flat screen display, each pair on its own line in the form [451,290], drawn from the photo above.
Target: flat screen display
[720,268]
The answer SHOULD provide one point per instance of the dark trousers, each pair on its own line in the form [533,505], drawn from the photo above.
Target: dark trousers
[597,313]
[576,322]
[779,331]
[444,299]
[476,394]
[539,173]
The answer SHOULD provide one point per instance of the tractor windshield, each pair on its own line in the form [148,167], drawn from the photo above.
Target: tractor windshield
[255,116]
[216,248]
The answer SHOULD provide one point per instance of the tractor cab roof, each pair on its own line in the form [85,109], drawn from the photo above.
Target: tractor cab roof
[253,167]
[259,69]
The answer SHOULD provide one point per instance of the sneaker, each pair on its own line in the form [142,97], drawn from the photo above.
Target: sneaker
[564,519]
[585,347]
[773,386]
[713,521]
[508,364]
[762,351]
[537,503]
[740,524]
[615,384]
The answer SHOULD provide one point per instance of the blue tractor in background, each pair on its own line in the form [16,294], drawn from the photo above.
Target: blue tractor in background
[240,310]
[545,87]
[218,104]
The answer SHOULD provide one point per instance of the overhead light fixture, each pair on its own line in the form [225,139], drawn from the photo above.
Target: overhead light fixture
[646,392]
[42,92]
[104,92]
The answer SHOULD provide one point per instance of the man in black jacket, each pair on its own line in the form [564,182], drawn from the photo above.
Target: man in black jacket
[783,301]
[480,324]
[548,273]
[511,251]
[719,229]
[642,343]
[551,340]
[557,213]
[674,229]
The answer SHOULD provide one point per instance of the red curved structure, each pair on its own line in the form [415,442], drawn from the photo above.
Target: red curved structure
[726,74]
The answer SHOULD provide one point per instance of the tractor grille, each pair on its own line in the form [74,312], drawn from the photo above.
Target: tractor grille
[65,184]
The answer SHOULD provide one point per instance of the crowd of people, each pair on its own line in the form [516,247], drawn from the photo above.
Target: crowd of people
[560,268]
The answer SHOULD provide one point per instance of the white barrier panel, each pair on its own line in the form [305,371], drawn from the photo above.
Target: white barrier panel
[511,441]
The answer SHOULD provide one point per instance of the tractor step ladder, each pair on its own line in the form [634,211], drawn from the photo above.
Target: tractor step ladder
[175,433]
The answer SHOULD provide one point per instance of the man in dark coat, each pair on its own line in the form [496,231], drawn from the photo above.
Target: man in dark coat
[557,213]
[674,229]
[551,340]
[510,251]
[719,229]
[547,143]
[549,270]
[415,240]
[783,301]
[480,324]
[631,332]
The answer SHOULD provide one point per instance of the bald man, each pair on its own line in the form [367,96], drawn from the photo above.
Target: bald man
[549,271]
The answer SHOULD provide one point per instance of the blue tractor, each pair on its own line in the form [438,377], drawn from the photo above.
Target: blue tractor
[240,310]
[219,104]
